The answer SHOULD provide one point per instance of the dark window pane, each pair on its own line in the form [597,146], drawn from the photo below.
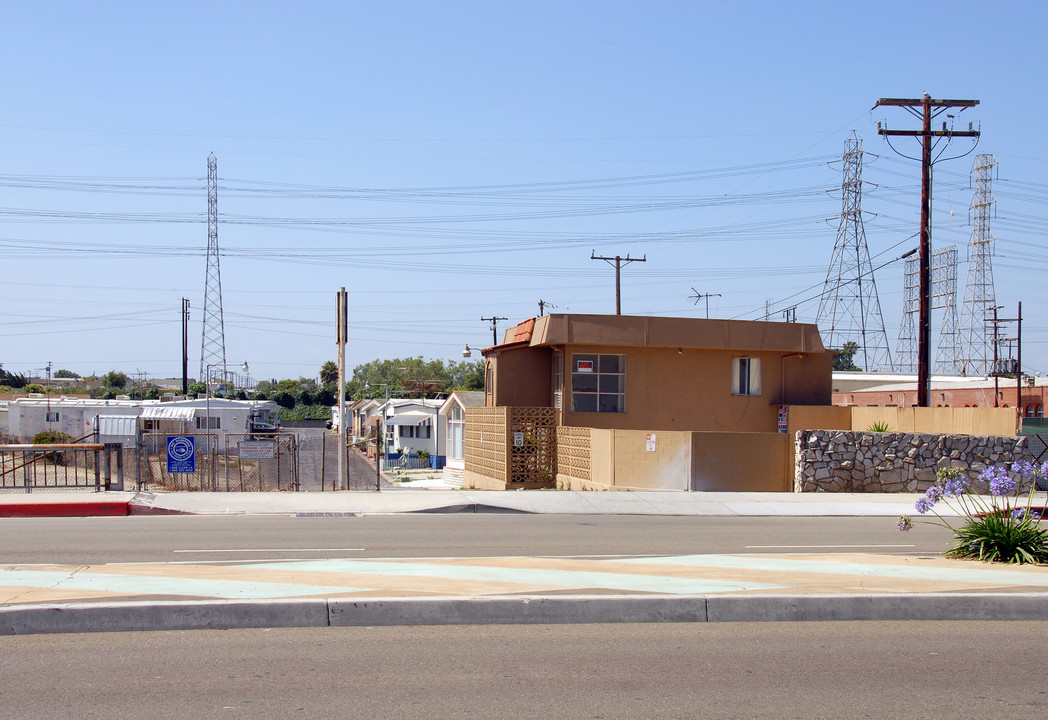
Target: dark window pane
[612,403]
[612,384]
[612,363]
[583,403]
[584,383]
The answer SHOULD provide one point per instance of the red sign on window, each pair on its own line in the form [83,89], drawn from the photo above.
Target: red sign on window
[584,366]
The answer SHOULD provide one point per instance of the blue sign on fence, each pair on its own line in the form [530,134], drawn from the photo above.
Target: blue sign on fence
[181,454]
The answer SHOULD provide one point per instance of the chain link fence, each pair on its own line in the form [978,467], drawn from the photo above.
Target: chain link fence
[256,463]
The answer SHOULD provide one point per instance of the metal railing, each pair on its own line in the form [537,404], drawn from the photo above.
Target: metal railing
[62,466]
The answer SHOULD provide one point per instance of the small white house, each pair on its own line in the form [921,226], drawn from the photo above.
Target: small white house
[453,417]
[410,426]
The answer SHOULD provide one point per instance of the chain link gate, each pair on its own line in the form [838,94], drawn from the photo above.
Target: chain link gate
[318,465]
[247,463]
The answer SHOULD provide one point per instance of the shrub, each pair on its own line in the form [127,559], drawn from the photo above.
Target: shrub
[53,437]
[879,426]
[998,529]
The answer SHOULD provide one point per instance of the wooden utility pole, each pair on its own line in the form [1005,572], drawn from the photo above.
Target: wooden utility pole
[926,109]
[618,260]
[494,328]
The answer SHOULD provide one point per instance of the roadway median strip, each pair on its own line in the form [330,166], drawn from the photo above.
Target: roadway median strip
[355,591]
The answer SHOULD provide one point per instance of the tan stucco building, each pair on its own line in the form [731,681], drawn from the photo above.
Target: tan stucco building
[659,374]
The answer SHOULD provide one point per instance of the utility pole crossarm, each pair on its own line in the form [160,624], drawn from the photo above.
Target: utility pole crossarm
[931,133]
[494,327]
[906,102]
[617,261]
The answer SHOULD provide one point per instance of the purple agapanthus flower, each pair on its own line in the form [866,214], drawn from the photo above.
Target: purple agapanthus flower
[999,481]
[905,523]
[954,487]
[923,505]
[1024,469]
[1019,513]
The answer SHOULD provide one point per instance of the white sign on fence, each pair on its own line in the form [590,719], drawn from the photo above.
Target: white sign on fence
[258,449]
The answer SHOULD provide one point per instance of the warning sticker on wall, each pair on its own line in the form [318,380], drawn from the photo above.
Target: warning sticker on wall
[649,442]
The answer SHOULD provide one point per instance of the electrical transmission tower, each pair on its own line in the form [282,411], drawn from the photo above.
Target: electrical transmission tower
[979,296]
[906,351]
[944,297]
[213,339]
[849,310]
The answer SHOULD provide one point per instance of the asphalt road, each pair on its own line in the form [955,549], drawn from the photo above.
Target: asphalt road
[711,670]
[203,538]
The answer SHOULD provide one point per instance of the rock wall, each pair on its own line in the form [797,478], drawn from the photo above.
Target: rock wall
[851,461]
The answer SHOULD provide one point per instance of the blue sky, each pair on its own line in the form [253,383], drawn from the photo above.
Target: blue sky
[457,160]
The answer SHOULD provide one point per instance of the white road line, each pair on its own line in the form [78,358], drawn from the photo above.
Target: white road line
[273,550]
[790,547]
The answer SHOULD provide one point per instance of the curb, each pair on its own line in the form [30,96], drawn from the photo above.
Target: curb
[561,609]
[90,508]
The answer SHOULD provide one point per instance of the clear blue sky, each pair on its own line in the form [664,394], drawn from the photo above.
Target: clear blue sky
[447,161]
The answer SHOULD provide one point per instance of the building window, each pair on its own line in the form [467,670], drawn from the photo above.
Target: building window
[212,422]
[456,432]
[598,383]
[745,376]
[52,416]
[558,380]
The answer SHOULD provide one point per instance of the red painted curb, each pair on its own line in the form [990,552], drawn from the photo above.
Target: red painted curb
[64,509]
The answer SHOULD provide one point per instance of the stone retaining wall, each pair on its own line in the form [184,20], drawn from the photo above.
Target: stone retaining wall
[851,461]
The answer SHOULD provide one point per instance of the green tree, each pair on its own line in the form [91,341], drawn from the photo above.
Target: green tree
[466,375]
[196,388]
[114,379]
[12,380]
[329,373]
[842,358]
[33,388]
[65,374]
[284,399]
[325,397]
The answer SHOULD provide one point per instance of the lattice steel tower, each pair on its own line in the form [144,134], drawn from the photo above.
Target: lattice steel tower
[850,310]
[944,297]
[906,350]
[976,350]
[213,338]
